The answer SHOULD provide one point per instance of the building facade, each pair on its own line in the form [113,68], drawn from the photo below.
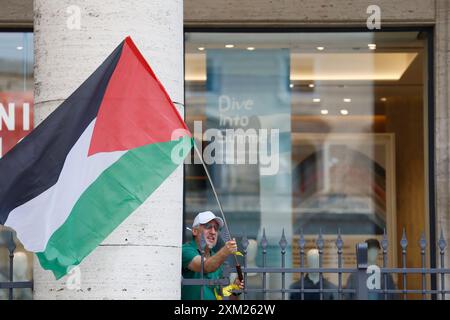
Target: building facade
[361,113]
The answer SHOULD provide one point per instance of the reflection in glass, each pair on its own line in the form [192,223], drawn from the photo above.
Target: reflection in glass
[16,116]
[351,123]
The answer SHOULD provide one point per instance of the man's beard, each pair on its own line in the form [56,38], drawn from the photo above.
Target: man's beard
[211,245]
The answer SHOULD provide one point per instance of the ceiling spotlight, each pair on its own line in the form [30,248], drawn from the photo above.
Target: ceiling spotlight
[201,48]
[320,48]
[348,100]
[251,48]
[19,48]
[383,99]
[291,85]
[311,85]
[324,111]
[229,46]
[372,46]
[344,112]
[316,100]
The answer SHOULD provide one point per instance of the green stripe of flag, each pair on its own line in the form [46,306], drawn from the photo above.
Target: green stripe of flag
[109,200]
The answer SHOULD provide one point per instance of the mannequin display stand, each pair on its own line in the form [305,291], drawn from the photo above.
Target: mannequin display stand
[254,280]
[312,281]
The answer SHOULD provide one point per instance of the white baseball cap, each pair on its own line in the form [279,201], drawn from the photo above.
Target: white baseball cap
[205,217]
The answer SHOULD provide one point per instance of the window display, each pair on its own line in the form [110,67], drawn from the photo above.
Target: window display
[350,145]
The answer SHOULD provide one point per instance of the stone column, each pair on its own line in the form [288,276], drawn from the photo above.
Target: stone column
[442,115]
[142,258]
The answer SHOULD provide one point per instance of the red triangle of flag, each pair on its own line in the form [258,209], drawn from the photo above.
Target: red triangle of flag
[136,109]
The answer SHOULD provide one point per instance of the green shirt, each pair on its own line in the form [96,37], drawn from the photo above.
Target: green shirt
[189,252]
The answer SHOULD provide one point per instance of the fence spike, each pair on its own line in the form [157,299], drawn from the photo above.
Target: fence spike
[423,242]
[11,244]
[283,241]
[404,241]
[264,240]
[442,243]
[244,242]
[301,241]
[319,242]
[339,242]
[384,241]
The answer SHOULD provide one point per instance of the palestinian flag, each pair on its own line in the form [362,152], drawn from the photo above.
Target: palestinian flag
[67,185]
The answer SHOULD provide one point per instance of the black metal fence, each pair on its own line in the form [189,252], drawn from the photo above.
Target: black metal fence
[11,285]
[362,276]
[433,279]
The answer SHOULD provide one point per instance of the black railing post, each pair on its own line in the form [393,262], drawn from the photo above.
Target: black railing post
[423,245]
[11,249]
[264,252]
[320,245]
[384,246]
[245,244]
[283,245]
[339,245]
[301,244]
[442,245]
[225,274]
[202,250]
[404,245]
[362,292]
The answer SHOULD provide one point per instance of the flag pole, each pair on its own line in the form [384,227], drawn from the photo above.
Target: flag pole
[238,266]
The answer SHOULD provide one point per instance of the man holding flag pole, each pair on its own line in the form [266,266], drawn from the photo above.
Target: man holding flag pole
[208,226]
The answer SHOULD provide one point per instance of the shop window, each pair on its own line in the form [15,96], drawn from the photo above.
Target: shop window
[16,121]
[340,120]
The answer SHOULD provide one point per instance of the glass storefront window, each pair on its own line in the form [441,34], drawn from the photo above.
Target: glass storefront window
[16,121]
[334,140]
